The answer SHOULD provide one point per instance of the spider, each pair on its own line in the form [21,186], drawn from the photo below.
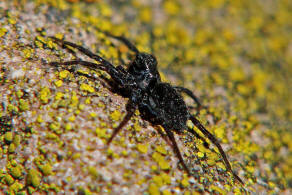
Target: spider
[158,102]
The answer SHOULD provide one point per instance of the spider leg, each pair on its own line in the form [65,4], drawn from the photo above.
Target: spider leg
[84,51]
[152,39]
[120,57]
[189,93]
[214,141]
[71,51]
[177,151]
[125,41]
[206,144]
[74,62]
[128,116]
[119,74]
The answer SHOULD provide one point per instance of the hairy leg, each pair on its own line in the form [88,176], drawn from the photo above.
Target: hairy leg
[118,74]
[84,51]
[215,141]
[189,93]
[177,151]
[206,144]
[124,40]
[131,110]
[81,62]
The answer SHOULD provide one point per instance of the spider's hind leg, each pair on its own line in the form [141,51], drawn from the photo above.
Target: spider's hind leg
[206,144]
[217,144]
[177,151]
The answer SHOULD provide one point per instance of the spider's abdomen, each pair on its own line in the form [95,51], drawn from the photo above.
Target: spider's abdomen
[166,107]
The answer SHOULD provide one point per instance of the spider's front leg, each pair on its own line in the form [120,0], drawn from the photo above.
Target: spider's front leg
[125,41]
[118,74]
[130,112]
[135,98]
[190,94]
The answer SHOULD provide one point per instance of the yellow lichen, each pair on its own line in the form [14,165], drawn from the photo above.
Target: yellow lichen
[68,126]
[161,150]
[7,179]
[15,171]
[58,83]
[46,169]
[44,95]
[27,52]
[218,189]
[2,31]
[86,87]
[59,95]
[228,60]
[185,182]
[33,178]
[142,148]
[153,189]
[92,114]
[72,118]
[23,105]
[76,156]
[93,172]
[145,14]
[201,154]
[171,7]
[115,115]
[11,148]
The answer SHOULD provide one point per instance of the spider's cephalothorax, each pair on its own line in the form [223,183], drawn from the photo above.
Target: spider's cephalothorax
[158,102]
[144,69]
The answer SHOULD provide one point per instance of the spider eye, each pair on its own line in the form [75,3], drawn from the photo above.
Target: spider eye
[145,61]
[140,62]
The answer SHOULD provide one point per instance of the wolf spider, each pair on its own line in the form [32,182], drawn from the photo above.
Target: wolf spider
[159,103]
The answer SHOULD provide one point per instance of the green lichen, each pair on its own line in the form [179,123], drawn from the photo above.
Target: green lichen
[7,179]
[23,105]
[46,169]
[11,148]
[16,140]
[16,171]
[8,136]
[33,178]
[93,172]
[16,188]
